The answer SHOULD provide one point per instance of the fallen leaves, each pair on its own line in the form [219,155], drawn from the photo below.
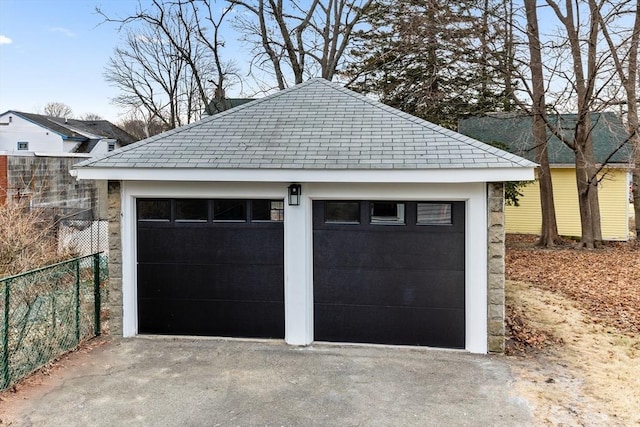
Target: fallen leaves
[595,368]
[604,282]
[521,336]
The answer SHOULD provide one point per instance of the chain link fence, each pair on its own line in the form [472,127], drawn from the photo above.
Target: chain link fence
[47,312]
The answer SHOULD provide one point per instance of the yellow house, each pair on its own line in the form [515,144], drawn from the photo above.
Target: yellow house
[613,193]
[614,185]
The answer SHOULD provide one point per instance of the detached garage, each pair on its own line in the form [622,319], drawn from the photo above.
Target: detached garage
[314,214]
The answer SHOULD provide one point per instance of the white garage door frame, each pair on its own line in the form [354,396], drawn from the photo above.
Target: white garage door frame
[298,245]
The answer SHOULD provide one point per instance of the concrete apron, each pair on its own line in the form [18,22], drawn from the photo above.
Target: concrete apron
[197,382]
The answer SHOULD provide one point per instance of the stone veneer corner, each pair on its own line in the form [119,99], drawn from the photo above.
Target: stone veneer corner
[113,303]
[496,268]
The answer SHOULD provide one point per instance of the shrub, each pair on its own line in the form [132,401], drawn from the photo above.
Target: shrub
[28,238]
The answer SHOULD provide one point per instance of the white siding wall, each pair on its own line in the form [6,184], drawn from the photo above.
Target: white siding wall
[102,147]
[19,129]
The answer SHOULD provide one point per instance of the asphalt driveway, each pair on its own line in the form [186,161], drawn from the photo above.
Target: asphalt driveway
[209,382]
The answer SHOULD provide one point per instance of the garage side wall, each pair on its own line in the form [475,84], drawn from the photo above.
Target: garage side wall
[496,270]
[114,292]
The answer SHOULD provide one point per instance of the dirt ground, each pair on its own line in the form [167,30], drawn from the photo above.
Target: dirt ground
[574,322]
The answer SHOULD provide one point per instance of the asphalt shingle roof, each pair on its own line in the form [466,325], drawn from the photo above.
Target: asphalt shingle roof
[81,130]
[314,125]
[514,130]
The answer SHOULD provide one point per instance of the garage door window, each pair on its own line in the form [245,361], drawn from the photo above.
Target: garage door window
[267,210]
[192,210]
[434,214]
[154,210]
[387,213]
[342,212]
[230,210]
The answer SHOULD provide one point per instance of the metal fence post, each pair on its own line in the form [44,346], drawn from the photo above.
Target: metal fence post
[77,301]
[96,293]
[5,337]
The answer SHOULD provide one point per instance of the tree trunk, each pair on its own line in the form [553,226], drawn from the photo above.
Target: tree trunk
[636,196]
[633,123]
[509,60]
[594,200]
[549,231]
[587,182]
[582,182]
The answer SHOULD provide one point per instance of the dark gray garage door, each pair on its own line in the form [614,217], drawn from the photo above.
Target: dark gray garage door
[389,272]
[210,267]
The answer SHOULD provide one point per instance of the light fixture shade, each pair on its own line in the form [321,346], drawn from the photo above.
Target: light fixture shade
[295,192]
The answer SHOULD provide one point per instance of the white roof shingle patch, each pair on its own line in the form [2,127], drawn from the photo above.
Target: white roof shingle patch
[314,125]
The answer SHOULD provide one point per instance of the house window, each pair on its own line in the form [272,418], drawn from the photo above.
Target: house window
[342,212]
[154,210]
[267,210]
[192,210]
[434,214]
[111,146]
[387,213]
[23,145]
[229,210]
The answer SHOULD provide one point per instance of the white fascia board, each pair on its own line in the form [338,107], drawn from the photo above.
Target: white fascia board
[308,175]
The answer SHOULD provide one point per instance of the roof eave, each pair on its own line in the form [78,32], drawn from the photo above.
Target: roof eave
[434,175]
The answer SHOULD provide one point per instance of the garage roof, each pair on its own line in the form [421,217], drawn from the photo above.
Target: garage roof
[314,125]
[317,131]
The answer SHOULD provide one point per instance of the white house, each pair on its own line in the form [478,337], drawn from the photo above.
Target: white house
[26,132]
[313,214]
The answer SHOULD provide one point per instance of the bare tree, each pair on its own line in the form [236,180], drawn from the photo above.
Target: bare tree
[299,39]
[549,231]
[575,67]
[578,47]
[578,80]
[58,109]
[584,87]
[148,73]
[185,62]
[140,127]
[90,117]
[626,67]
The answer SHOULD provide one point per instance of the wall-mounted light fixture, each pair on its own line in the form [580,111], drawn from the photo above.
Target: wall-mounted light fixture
[295,191]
